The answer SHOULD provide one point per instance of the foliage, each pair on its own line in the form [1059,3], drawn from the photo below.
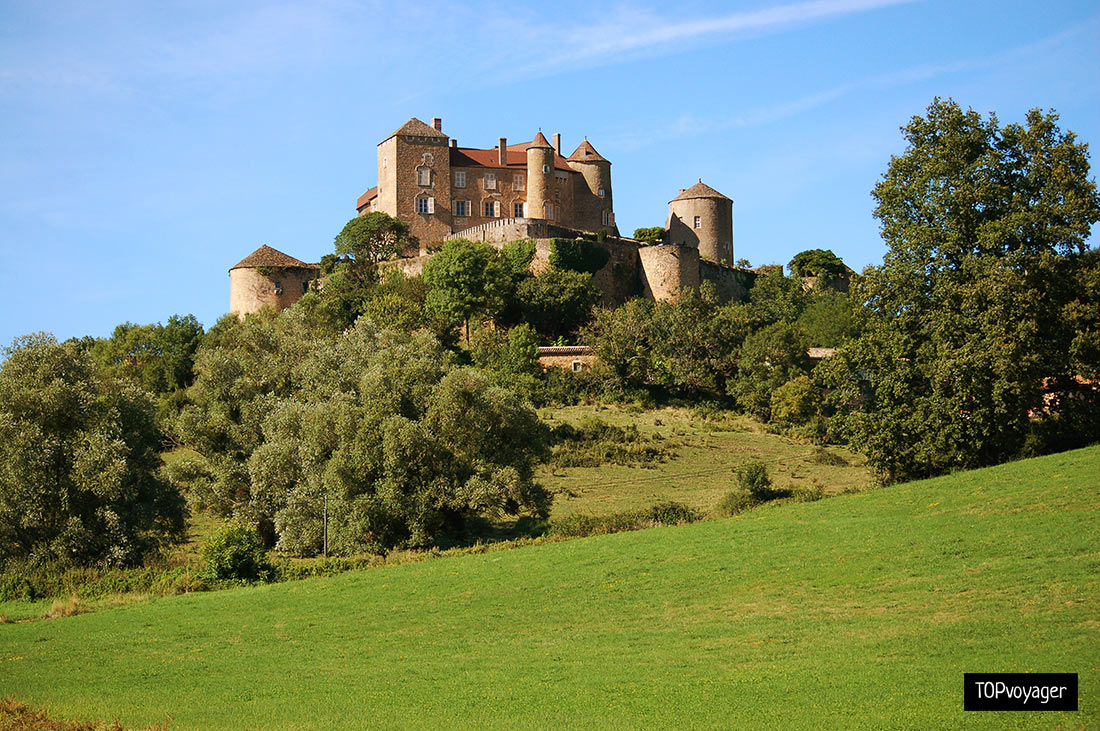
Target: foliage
[593,443]
[406,448]
[557,303]
[372,238]
[827,319]
[578,255]
[467,280]
[401,303]
[650,235]
[735,502]
[519,254]
[820,263]
[511,359]
[753,478]
[159,358]
[768,358]
[966,352]
[78,462]
[236,552]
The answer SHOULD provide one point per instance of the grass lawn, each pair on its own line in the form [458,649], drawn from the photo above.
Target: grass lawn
[706,454]
[859,611]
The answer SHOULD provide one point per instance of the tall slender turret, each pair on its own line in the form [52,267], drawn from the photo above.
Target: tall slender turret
[592,204]
[540,176]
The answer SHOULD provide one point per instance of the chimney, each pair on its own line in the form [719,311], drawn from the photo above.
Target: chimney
[557,143]
[454,142]
[502,152]
[437,122]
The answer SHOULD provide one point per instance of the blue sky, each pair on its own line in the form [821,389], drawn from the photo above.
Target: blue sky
[147,147]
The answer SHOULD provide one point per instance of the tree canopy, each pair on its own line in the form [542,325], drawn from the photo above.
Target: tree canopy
[969,326]
[78,462]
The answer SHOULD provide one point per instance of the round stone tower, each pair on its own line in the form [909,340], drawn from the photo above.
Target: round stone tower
[702,217]
[540,177]
[593,211]
[268,278]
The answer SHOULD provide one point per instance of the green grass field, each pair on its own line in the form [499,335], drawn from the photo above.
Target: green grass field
[858,611]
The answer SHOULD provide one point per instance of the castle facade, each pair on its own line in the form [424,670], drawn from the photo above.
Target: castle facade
[530,190]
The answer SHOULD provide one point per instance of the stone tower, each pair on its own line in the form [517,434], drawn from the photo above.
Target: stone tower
[414,178]
[592,202]
[268,278]
[540,177]
[702,218]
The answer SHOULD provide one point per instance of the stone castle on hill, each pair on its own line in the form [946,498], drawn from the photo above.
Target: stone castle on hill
[508,192]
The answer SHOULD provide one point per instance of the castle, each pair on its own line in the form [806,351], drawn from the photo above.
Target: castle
[508,192]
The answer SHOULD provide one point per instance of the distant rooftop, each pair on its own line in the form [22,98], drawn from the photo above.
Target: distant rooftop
[265,256]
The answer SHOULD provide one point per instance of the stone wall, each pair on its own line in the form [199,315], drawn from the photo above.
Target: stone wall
[250,291]
[667,270]
[730,283]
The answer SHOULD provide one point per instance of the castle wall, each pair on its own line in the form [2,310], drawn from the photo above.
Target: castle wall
[729,283]
[713,237]
[667,270]
[476,193]
[250,291]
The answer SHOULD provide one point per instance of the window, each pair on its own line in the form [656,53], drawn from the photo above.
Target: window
[460,178]
[698,222]
[425,205]
[578,366]
[490,181]
[600,193]
[492,209]
[278,287]
[517,210]
[517,181]
[545,168]
[423,175]
[551,212]
[383,162]
[462,208]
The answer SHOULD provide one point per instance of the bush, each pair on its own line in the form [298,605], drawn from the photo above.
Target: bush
[823,456]
[593,443]
[672,513]
[807,494]
[754,479]
[735,502]
[237,552]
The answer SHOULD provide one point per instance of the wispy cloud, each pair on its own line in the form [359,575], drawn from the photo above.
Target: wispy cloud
[634,32]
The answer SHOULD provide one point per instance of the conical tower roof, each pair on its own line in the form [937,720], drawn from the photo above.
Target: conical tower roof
[265,256]
[540,141]
[585,152]
[700,190]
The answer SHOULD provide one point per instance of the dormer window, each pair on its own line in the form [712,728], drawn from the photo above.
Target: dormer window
[423,175]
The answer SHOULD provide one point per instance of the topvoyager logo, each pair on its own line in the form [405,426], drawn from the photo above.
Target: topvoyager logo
[1020,691]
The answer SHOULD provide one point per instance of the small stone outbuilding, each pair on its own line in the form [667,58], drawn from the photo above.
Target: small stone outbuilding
[268,278]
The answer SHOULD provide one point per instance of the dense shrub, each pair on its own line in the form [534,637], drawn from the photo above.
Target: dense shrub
[735,502]
[236,552]
[671,512]
[592,443]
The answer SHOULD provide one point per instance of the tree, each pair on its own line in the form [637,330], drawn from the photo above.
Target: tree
[467,280]
[650,235]
[966,352]
[557,303]
[78,462]
[820,263]
[372,238]
[578,255]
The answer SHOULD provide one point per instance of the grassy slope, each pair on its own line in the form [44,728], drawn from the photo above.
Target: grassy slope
[860,610]
[702,470]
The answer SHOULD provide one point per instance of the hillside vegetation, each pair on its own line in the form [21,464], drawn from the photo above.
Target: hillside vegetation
[863,610]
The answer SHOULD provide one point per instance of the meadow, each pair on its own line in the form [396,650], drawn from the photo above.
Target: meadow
[863,610]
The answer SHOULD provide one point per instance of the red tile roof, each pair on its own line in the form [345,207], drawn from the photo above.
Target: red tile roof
[265,256]
[469,157]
